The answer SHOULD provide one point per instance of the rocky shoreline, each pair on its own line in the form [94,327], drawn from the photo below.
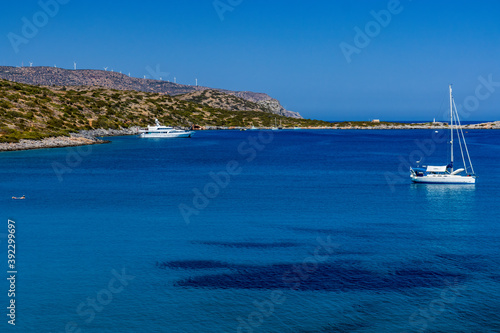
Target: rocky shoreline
[90,137]
[85,137]
[96,133]
[53,142]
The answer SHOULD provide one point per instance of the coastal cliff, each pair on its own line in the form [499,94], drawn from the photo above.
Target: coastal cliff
[238,101]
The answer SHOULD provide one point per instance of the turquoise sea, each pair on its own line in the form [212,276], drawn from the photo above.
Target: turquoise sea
[272,231]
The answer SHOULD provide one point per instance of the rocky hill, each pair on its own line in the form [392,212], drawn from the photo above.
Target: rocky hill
[217,99]
[51,76]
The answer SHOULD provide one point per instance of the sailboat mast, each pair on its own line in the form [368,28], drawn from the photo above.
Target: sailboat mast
[451,127]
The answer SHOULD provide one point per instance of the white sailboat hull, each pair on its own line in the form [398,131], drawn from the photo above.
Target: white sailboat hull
[444,179]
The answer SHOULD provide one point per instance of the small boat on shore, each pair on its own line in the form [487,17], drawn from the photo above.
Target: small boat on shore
[445,174]
[159,131]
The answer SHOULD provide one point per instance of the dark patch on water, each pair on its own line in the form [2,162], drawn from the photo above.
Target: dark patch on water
[250,245]
[316,230]
[342,327]
[326,277]
[355,253]
[360,232]
[195,264]
[471,262]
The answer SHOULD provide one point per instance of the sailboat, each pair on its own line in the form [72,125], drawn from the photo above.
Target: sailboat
[274,128]
[445,174]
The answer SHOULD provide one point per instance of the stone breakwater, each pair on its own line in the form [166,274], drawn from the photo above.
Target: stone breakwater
[56,142]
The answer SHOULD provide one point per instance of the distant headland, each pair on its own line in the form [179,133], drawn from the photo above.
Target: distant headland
[42,107]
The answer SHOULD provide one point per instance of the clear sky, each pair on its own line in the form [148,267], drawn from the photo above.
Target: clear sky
[289,49]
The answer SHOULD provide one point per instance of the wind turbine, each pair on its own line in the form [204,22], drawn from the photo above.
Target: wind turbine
[74,65]
[196,82]
[105,69]
[31,64]
[128,74]
[175,80]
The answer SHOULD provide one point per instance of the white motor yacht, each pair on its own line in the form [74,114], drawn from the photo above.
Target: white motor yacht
[159,131]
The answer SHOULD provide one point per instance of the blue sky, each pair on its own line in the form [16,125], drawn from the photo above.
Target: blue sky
[288,49]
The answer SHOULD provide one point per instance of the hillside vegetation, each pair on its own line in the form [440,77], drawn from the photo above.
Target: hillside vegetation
[34,112]
[51,76]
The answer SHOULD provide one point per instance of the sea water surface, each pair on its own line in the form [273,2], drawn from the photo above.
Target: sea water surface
[313,231]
